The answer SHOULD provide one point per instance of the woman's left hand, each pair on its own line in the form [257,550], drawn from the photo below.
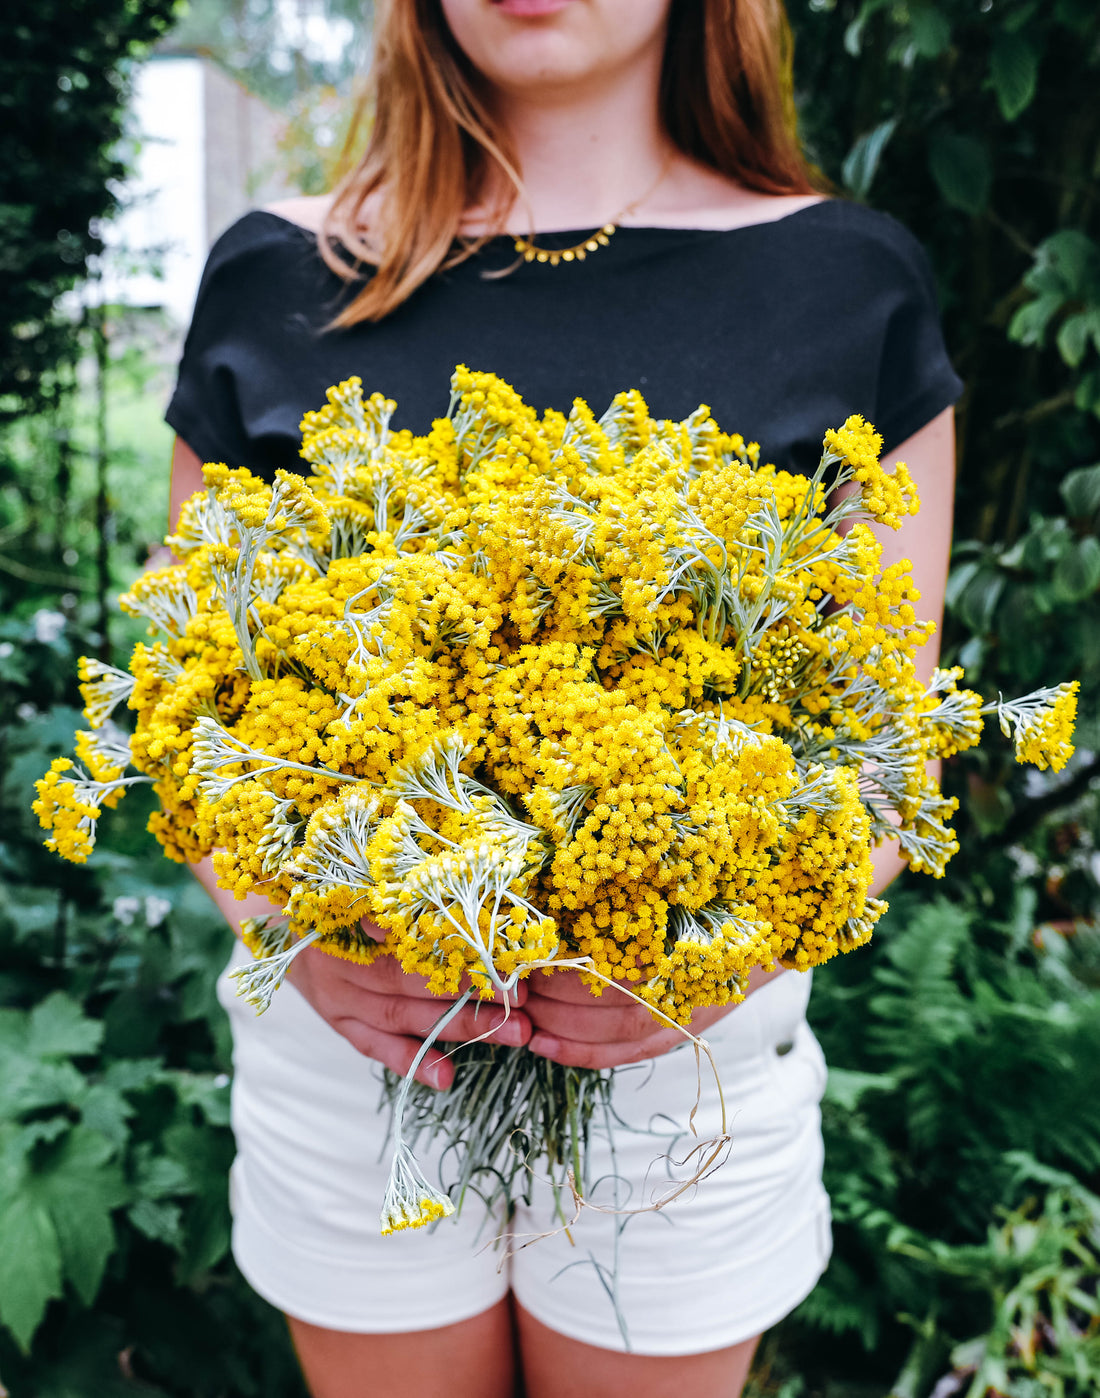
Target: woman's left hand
[581,1030]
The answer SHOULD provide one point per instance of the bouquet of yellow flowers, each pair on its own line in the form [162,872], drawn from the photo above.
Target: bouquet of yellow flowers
[537,691]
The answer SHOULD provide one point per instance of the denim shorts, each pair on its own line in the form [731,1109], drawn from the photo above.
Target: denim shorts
[729,1257]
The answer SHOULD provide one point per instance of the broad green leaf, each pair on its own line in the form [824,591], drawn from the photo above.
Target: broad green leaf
[862,160]
[28,1084]
[157,1220]
[15,1144]
[960,578]
[1014,67]
[1087,394]
[207,1091]
[13,1031]
[1077,574]
[846,1088]
[106,1110]
[79,1187]
[961,168]
[1028,325]
[30,1266]
[977,601]
[853,35]
[929,29]
[129,1074]
[59,1028]
[1067,262]
[205,1236]
[1019,16]
[1081,492]
[85,1233]
[1076,332]
[157,1176]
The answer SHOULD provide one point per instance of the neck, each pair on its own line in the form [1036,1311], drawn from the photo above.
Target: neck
[584,157]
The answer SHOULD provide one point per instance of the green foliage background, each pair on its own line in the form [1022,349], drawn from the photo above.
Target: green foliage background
[962,1117]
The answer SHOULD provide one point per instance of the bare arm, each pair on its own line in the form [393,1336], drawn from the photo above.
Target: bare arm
[186,479]
[925,540]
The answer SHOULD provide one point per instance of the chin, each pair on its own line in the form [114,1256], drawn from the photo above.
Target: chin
[524,46]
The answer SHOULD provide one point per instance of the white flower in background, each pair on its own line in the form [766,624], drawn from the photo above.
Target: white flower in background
[126,908]
[25,712]
[6,649]
[156,910]
[1027,865]
[48,626]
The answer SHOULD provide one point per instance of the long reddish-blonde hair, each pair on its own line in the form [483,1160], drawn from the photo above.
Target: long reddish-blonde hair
[726,100]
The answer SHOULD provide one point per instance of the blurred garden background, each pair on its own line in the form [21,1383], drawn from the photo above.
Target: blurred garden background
[963,1109]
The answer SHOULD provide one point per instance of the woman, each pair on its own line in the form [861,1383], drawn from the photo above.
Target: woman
[515,131]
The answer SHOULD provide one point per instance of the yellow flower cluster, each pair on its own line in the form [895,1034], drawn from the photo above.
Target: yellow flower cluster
[1041,725]
[527,689]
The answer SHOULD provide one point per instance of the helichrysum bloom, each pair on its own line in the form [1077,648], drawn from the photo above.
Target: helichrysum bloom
[606,691]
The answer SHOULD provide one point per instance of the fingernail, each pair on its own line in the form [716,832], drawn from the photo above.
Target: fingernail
[509,1031]
[437,1074]
[545,1044]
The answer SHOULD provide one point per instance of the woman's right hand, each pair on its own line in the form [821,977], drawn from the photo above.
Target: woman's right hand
[386,1014]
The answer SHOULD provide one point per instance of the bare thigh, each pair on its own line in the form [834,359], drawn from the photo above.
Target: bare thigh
[555,1366]
[476,1359]
[473,1359]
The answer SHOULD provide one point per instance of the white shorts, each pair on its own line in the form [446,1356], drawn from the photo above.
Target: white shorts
[724,1261]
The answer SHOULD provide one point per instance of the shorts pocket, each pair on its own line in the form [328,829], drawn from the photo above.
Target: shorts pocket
[797,1069]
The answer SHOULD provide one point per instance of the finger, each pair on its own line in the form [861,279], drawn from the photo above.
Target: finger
[397,1052]
[573,1054]
[516,996]
[405,1014]
[605,1021]
[385,977]
[567,985]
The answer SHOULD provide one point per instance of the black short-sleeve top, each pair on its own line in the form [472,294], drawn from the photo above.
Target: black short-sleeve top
[782,328]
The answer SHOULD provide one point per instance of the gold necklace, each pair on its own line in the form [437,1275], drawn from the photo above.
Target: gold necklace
[531,252]
[578,252]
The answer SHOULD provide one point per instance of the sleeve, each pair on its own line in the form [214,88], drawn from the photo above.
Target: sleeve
[206,408]
[916,379]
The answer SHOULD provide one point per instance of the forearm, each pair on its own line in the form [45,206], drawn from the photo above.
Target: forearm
[234,910]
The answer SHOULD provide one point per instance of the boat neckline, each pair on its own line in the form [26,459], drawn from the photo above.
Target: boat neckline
[619,228]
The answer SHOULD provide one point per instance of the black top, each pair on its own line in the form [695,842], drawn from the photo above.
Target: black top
[783,328]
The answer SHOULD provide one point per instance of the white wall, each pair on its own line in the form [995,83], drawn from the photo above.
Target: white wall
[165,197]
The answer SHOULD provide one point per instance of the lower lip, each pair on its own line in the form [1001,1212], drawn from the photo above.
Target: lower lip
[530,9]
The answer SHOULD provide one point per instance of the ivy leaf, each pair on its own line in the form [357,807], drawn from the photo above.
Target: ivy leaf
[59,1028]
[861,162]
[961,168]
[1014,67]
[30,1266]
